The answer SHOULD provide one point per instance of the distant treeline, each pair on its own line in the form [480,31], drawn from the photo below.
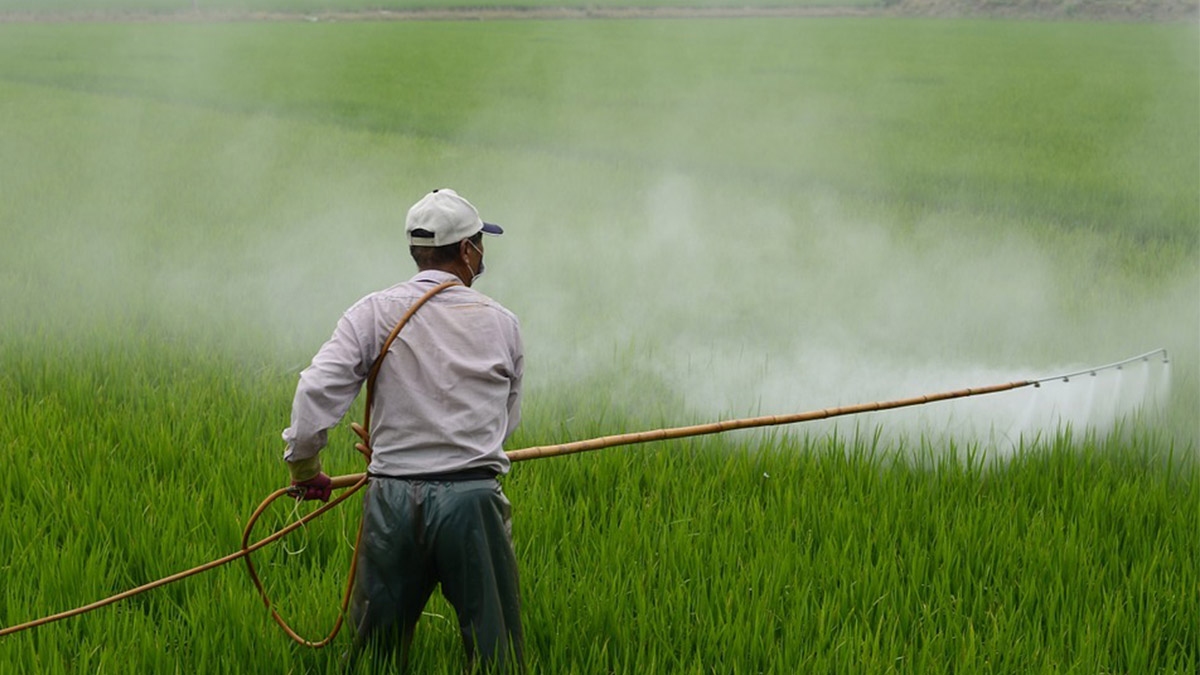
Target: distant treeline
[1152,10]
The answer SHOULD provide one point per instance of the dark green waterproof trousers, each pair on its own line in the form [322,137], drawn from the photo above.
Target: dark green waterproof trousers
[420,533]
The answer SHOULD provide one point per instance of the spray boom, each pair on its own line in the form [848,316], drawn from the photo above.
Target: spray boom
[538,452]
[1116,365]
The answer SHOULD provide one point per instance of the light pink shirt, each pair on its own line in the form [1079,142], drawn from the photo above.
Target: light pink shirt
[448,393]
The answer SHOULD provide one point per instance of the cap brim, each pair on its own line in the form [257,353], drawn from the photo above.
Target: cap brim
[492,228]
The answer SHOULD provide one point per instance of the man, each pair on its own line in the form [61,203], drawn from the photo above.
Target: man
[447,396]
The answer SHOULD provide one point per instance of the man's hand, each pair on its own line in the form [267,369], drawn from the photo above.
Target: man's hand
[317,487]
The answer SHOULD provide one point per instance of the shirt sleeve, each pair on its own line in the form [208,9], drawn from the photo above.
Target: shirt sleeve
[514,390]
[327,388]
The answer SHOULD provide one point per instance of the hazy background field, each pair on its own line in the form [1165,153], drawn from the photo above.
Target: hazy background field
[726,218]
[704,219]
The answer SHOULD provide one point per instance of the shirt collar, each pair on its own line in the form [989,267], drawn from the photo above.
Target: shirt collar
[435,276]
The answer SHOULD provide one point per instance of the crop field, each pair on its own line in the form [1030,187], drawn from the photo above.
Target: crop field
[704,219]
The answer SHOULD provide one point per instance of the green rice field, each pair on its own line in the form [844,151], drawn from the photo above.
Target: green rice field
[704,219]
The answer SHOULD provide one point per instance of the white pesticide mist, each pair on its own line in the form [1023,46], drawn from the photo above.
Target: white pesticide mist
[653,287]
[824,310]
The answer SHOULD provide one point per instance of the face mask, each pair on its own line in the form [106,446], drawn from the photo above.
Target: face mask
[477,273]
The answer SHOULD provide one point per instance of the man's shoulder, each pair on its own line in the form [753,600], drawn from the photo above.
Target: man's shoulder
[493,304]
[405,293]
[375,298]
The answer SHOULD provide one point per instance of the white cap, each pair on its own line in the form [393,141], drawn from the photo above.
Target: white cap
[441,218]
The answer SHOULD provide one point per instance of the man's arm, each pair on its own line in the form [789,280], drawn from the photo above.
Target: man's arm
[326,390]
